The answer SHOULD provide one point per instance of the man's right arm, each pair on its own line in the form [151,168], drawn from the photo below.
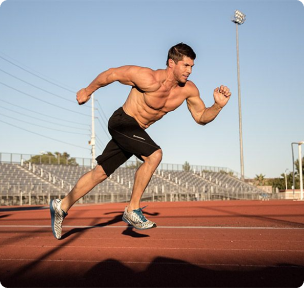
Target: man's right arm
[141,77]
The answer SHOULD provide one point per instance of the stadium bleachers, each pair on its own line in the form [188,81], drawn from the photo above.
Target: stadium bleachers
[19,186]
[38,183]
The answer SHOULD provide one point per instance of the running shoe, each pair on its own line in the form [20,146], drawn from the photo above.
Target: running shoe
[57,216]
[137,219]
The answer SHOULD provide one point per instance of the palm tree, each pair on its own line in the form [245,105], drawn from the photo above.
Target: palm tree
[260,179]
[298,166]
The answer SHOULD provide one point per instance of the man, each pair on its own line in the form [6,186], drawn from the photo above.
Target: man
[153,94]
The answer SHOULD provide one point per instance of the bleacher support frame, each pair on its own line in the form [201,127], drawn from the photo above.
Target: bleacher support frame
[39,183]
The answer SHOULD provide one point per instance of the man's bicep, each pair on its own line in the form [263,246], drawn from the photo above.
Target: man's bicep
[121,74]
[133,76]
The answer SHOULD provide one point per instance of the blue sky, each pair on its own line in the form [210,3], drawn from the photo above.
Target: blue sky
[65,44]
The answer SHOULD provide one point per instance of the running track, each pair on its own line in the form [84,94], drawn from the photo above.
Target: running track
[196,244]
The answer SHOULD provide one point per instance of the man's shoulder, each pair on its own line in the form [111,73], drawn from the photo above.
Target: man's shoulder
[191,88]
[136,69]
[191,84]
[148,72]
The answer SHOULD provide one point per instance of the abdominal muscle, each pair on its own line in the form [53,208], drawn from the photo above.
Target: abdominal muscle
[140,108]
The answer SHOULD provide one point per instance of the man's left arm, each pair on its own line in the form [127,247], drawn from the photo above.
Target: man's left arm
[203,115]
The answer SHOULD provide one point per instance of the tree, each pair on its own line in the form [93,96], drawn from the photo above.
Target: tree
[297,164]
[186,167]
[288,180]
[277,183]
[296,175]
[260,179]
[50,158]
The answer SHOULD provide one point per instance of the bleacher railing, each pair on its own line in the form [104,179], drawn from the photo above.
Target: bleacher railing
[170,183]
[17,158]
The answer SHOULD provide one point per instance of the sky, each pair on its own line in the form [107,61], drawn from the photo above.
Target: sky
[50,49]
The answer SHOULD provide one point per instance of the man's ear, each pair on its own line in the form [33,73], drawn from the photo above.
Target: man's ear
[171,63]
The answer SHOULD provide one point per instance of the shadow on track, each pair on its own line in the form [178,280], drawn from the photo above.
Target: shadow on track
[129,231]
[162,272]
[25,208]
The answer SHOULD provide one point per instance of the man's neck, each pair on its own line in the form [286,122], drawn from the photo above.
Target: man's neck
[169,79]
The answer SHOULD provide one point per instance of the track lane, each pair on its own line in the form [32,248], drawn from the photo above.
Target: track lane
[195,240]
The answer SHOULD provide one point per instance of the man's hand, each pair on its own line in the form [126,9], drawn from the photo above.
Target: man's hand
[221,95]
[83,96]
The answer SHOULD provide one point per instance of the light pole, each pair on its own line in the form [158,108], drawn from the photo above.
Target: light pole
[92,142]
[285,180]
[239,18]
[300,167]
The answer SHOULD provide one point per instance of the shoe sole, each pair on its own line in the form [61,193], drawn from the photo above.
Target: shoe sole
[53,218]
[128,222]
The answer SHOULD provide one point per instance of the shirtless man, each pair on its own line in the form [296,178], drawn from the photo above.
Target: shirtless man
[153,94]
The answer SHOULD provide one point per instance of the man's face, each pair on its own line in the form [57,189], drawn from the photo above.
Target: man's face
[183,69]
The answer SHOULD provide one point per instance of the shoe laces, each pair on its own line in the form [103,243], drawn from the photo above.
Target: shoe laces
[140,214]
[62,213]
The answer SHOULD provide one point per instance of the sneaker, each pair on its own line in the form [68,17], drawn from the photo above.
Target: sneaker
[137,219]
[57,216]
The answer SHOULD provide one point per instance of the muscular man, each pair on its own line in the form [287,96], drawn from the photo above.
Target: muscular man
[153,94]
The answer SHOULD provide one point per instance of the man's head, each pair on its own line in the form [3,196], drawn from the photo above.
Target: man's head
[180,61]
[177,52]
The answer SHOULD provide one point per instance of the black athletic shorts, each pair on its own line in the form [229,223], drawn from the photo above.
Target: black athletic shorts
[128,139]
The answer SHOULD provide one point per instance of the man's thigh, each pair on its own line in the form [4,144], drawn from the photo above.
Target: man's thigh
[129,136]
[112,157]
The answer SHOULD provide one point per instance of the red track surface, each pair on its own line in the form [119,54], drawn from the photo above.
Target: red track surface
[196,244]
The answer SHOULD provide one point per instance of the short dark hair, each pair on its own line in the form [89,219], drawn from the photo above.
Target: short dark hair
[178,51]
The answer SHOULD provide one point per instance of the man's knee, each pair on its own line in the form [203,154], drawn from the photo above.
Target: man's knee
[99,174]
[158,155]
[155,157]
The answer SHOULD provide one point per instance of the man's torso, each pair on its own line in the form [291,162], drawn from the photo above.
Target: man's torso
[149,107]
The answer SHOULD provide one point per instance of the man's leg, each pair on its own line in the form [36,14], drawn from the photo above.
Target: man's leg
[142,178]
[111,158]
[133,213]
[84,185]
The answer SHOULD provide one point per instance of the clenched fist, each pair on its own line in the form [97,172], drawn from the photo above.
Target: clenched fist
[83,96]
[221,95]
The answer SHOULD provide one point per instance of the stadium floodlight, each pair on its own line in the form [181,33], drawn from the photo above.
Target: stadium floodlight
[239,18]
[300,167]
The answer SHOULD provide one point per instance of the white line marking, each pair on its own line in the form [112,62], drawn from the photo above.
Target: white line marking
[159,227]
[155,248]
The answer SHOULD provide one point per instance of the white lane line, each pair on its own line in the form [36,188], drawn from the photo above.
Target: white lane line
[160,227]
[155,248]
